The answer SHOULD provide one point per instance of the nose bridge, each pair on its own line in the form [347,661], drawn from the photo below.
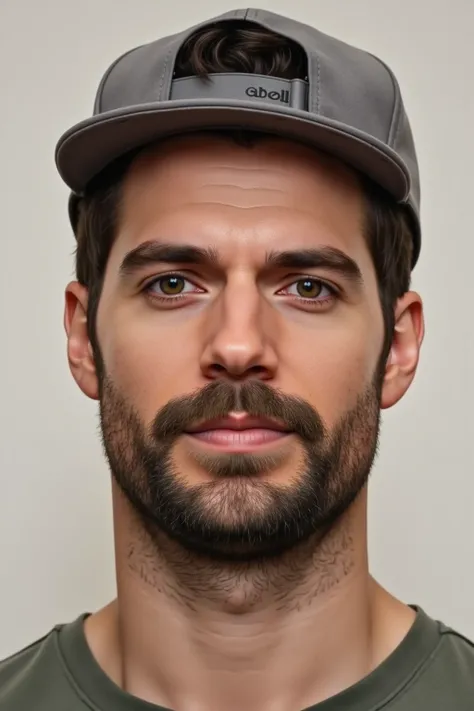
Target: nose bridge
[241,324]
[239,332]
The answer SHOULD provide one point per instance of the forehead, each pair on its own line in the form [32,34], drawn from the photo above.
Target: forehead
[213,191]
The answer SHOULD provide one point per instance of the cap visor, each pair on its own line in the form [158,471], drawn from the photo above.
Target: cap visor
[87,148]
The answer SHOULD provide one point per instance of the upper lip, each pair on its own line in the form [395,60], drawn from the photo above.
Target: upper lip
[239,423]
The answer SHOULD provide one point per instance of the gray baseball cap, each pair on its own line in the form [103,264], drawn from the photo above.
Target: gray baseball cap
[349,106]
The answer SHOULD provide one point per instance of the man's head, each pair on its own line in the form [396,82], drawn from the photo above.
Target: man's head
[225,273]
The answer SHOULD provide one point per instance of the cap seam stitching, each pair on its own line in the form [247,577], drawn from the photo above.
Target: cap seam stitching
[319,85]
[397,122]
[100,90]
[316,101]
[397,112]
[162,78]
[397,132]
[394,127]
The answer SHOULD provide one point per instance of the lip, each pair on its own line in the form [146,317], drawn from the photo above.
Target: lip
[238,422]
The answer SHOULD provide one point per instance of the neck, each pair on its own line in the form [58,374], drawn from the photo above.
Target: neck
[281,634]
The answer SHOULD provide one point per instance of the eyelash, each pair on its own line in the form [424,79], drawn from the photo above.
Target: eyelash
[156,297]
[316,303]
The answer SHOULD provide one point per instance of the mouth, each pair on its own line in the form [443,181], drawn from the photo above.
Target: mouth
[239,432]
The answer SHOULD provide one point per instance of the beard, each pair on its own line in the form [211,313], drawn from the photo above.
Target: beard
[238,516]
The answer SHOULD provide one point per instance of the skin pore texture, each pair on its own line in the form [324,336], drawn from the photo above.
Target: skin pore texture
[242,574]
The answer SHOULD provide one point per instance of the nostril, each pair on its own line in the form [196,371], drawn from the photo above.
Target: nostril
[258,370]
[217,368]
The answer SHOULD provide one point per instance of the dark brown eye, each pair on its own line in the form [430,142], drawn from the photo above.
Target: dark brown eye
[309,288]
[171,285]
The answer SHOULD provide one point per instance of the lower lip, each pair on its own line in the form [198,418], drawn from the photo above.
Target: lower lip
[238,440]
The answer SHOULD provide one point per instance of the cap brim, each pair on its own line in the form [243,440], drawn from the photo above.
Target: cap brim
[90,146]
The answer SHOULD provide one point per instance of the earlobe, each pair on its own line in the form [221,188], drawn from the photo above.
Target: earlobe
[404,354]
[79,349]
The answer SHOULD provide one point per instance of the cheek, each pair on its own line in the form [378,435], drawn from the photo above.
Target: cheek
[150,361]
[332,366]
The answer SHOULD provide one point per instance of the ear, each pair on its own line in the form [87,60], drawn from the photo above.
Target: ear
[79,349]
[404,355]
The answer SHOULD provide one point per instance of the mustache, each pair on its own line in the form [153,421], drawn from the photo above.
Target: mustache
[256,398]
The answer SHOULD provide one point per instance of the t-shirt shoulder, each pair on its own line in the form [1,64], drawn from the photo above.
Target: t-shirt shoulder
[15,667]
[460,646]
[444,630]
[25,681]
[445,682]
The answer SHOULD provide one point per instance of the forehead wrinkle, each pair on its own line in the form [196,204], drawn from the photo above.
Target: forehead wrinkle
[233,186]
[248,169]
[319,224]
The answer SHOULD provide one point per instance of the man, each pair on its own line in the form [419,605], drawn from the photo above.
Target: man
[246,207]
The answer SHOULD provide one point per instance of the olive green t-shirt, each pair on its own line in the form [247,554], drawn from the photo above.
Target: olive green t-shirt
[431,670]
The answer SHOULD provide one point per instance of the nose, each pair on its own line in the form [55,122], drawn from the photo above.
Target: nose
[239,346]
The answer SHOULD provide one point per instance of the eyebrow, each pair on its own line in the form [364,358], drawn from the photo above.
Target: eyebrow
[330,258]
[152,253]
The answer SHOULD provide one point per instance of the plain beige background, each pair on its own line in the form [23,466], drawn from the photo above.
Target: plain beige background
[56,554]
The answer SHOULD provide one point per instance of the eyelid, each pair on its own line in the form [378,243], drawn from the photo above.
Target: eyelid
[157,277]
[311,277]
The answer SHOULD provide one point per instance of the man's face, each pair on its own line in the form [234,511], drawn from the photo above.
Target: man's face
[240,331]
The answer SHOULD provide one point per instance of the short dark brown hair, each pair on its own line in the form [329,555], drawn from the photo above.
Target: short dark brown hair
[238,47]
